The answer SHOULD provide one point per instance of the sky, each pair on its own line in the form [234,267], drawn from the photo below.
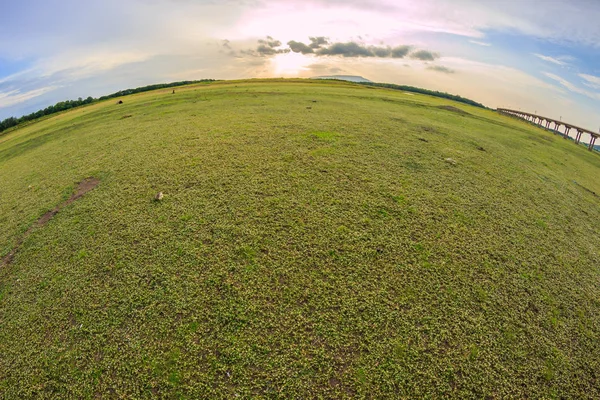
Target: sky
[538,56]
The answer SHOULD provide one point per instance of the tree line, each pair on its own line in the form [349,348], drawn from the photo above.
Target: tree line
[68,104]
[435,93]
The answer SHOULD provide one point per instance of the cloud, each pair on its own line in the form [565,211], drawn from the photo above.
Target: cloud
[319,41]
[315,43]
[467,18]
[591,80]
[348,49]
[299,47]
[15,96]
[424,55]
[320,46]
[558,61]
[353,49]
[440,68]
[572,87]
[477,42]
[266,48]
[400,51]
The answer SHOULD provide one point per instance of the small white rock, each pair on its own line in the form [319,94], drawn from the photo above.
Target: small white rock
[159,196]
[450,161]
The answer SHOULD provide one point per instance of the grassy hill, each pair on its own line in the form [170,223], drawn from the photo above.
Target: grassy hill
[316,238]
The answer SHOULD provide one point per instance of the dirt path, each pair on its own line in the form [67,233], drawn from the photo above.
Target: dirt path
[84,186]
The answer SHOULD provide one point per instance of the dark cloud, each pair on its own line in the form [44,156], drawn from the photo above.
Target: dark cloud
[349,49]
[318,41]
[381,51]
[400,51]
[321,47]
[266,47]
[424,55]
[353,49]
[440,68]
[269,42]
[299,47]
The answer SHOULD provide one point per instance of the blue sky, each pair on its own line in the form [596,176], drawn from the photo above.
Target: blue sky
[535,55]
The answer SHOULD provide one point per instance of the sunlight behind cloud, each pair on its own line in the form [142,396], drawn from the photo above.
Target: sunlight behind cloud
[288,65]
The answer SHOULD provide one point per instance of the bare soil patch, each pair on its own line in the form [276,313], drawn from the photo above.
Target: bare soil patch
[454,109]
[84,186]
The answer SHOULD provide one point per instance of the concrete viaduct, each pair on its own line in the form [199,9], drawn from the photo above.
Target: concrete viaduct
[547,122]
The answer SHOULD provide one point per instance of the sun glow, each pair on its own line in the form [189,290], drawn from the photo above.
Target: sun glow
[289,64]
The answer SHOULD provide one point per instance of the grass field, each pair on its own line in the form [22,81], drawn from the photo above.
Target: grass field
[316,239]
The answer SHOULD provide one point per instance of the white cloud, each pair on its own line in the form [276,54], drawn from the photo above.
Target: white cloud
[591,80]
[477,42]
[572,87]
[82,63]
[14,96]
[557,61]
[473,18]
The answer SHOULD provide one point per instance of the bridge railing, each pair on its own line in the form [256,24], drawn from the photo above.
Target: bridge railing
[546,123]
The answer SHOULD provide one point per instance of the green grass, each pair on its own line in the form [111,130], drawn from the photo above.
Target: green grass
[298,252]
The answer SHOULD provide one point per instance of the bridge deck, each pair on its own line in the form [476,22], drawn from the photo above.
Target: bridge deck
[556,122]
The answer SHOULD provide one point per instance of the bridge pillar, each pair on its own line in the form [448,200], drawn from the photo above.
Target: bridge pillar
[567,130]
[592,142]
[578,137]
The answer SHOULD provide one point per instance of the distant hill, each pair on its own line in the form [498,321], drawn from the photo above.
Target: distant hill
[351,78]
